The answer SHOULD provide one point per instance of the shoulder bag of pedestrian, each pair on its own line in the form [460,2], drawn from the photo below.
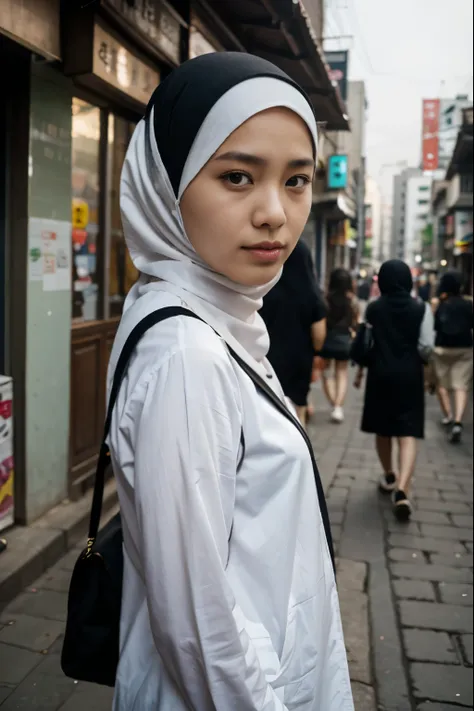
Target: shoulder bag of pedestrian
[362,345]
[91,642]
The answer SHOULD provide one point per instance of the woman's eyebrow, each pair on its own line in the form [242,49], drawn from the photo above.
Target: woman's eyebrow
[251,159]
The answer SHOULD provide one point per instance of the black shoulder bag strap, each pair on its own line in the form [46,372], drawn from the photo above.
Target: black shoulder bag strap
[136,334]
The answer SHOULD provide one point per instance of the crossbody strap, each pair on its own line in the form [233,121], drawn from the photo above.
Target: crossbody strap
[104,456]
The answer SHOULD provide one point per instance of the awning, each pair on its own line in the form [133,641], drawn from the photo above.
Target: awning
[335,206]
[280,31]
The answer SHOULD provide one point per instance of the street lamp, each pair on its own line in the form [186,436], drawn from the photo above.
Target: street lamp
[444,263]
[418,259]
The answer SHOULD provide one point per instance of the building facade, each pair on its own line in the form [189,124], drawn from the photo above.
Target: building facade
[410,213]
[452,206]
[373,223]
[339,208]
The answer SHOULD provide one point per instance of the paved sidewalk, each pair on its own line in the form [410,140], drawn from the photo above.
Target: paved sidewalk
[419,574]
[405,590]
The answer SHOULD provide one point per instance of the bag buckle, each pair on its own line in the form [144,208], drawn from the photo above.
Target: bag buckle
[88,551]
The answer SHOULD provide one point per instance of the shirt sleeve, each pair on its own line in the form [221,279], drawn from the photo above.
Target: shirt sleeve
[186,453]
[427,333]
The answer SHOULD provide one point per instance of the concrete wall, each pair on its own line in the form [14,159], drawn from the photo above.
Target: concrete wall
[48,311]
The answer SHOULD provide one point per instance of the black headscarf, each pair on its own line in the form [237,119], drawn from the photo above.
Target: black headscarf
[189,99]
[395,279]
[451,283]
[396,315]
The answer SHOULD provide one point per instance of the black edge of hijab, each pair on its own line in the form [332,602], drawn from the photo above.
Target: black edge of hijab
[183,100]
[395,279]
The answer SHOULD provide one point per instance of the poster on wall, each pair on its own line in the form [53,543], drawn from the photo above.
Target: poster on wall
[49,253]
[6,453]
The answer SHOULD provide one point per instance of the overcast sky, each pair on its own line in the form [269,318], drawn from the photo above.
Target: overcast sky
[404,50]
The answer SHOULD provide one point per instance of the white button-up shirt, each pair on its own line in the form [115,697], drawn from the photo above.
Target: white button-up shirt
[229,597]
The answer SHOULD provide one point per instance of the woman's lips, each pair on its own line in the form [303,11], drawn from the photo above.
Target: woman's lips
[264,253]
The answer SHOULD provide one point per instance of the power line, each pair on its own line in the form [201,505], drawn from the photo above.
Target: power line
[360,35]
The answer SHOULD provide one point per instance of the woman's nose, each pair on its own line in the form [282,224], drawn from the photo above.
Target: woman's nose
[269,210]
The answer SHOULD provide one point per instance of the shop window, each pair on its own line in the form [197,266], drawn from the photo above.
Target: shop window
[85,210]
[122,274]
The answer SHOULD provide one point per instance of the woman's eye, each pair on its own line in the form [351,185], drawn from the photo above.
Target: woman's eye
[298,181]
[236,178]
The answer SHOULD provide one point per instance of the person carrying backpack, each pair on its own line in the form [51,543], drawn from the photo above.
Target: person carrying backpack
[453,357]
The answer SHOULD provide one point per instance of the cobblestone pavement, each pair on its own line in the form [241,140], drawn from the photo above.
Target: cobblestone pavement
[406,590]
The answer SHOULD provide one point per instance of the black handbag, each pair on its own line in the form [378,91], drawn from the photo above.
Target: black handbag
[91,642]
[362,345]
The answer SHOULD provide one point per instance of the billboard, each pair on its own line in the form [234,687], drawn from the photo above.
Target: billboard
[442,119]
[338,68]
[337,172]
[430,135]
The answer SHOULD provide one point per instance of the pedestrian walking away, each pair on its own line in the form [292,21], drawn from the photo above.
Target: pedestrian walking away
[295,315]
[229,595]
[402,329]
[453,359]
[342,319]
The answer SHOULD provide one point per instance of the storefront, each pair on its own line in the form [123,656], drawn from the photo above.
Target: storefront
[114,74]
[29,35]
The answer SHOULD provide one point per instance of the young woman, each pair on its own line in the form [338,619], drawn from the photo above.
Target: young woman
[229,596]
[342,319]
[295,316]
[453,359]
[394,396]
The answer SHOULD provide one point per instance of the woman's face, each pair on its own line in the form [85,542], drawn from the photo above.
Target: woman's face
[247,208]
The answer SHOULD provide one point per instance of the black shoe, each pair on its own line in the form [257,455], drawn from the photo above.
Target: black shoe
[388,483]
[456,433]
[401,506]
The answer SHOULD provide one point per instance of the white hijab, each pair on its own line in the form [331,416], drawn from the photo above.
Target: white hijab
[154,229]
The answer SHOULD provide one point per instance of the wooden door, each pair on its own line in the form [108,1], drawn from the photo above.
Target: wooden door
[91,345]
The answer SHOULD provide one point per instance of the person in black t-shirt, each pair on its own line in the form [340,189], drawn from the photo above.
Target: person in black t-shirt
[295,315]
[342,320]
[453,351]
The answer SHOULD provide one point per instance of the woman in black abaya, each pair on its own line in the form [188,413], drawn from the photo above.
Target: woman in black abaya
[394,397]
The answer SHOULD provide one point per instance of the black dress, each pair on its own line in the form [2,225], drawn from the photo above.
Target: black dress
[289,310]
[394,396]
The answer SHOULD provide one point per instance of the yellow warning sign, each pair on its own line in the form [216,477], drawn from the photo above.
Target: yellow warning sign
[80,214]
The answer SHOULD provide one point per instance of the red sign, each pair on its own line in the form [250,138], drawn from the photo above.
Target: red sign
[430,136]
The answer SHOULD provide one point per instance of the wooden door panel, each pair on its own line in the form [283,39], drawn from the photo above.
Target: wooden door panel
[90,351]
[85,375]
